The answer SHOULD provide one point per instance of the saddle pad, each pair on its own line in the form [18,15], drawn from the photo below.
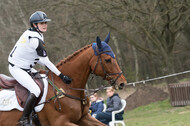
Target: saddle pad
[8,100]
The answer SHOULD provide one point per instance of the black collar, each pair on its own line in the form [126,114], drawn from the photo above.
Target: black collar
[34,30]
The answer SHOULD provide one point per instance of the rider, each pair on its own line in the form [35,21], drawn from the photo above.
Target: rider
[28,51]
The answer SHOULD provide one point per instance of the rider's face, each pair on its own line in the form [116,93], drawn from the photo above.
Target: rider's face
[42,26]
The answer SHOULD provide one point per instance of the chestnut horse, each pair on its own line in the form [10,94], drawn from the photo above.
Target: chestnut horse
[97,58]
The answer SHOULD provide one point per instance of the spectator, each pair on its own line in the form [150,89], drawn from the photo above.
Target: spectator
[96,105]
[113,104]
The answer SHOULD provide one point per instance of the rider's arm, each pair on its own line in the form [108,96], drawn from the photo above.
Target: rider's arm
[49,65]
[40,63]
[38,45]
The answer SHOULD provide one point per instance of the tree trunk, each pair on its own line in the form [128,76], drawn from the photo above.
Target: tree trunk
[136,63]
[118,52]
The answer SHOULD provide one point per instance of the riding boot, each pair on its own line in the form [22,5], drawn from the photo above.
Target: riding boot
[30,102]
[34,118]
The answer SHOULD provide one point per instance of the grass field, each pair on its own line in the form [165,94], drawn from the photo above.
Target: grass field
[158,114]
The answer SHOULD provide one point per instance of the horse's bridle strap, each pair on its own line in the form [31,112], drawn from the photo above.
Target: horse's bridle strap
[105,73]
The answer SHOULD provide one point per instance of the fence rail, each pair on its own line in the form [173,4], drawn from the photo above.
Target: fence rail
[157,78]
[179,94]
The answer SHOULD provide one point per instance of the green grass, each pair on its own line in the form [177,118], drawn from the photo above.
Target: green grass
[184,80]
[158,114]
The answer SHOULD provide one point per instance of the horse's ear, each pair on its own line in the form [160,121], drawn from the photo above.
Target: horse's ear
[99,43]
[107,38]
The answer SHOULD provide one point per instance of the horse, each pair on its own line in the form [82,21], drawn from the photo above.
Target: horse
[97,58]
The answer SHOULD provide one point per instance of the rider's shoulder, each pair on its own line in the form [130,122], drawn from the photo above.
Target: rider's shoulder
[33,34]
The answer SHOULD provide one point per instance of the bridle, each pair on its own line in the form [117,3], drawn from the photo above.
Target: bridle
[112,82]
[106,74]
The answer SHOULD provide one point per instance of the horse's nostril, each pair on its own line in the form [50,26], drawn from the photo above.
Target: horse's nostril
[121,86]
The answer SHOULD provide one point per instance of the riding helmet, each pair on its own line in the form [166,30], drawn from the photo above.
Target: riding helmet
[37,17]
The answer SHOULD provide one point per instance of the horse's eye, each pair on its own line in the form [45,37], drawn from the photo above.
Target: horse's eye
[108,60]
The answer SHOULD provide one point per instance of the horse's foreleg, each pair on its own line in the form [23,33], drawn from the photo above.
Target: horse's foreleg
[62,121]
[53,118]
[65,124]
[88,120]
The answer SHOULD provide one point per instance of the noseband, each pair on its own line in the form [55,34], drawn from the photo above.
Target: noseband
[106,74]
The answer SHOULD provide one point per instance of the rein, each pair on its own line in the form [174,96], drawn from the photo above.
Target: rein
[60,94]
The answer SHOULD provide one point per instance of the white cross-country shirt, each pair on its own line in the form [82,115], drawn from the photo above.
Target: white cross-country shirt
[25,54]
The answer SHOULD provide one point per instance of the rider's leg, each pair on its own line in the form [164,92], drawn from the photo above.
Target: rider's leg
[29,105]
[26,80]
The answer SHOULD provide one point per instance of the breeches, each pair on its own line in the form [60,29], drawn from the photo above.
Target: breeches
[24,79]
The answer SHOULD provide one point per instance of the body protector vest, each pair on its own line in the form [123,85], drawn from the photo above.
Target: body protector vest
[26,51]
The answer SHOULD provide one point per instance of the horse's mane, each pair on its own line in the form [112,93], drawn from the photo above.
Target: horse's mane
[72,55]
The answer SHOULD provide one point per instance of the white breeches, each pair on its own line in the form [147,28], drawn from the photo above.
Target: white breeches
[24,79]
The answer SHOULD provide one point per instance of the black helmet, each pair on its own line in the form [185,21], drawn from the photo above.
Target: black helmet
[37,17]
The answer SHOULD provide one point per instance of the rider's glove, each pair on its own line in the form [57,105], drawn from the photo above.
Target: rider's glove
[65,79]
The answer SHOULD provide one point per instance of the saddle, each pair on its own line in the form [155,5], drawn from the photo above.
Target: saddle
[21,92]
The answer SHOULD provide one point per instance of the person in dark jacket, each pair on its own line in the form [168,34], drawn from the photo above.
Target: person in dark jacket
[96,105]
[113,104]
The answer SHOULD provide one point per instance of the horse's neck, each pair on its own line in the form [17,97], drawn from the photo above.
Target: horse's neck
[78,67]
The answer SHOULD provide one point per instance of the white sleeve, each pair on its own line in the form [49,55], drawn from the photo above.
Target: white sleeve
[40,62]
[50,65]
[34,42]
[33,70]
